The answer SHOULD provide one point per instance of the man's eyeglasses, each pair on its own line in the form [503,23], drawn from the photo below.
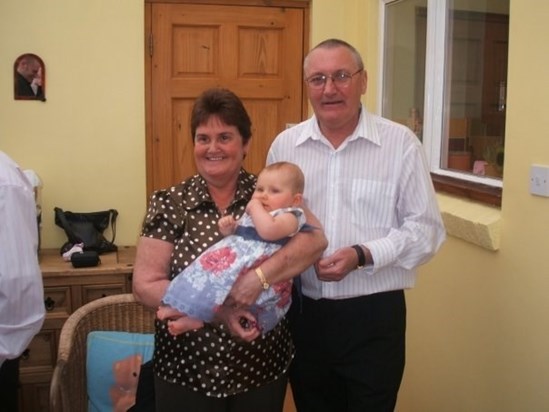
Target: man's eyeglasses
[340,79]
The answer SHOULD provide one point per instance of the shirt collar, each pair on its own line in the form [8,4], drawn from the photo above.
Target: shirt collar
[199,193]
[365,129]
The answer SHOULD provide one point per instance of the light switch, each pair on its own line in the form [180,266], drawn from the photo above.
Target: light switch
[539,180]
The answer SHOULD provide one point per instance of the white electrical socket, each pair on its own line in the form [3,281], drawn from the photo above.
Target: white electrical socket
[539,180]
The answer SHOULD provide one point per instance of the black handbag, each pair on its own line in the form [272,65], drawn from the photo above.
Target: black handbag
[87,228]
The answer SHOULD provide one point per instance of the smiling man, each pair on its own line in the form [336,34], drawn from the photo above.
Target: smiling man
[368,183]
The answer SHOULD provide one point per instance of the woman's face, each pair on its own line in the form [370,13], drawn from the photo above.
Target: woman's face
[218,150]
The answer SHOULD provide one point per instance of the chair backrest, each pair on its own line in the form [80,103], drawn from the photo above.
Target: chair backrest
[68,390]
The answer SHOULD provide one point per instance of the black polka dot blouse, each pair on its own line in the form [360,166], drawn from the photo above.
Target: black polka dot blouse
[208,360]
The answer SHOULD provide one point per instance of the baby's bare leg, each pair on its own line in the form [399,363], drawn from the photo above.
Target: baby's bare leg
[184,324]
[165,312]
[178,322]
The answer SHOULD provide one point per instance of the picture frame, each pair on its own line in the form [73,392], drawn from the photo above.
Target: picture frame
[29,78]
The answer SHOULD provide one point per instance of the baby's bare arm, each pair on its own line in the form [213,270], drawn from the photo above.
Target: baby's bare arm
[271,228]
[227,225]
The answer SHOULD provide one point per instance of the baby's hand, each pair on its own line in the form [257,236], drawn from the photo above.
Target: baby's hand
[226,225]
[253,203]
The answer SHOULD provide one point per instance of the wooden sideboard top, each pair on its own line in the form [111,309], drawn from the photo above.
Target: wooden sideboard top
[52,263]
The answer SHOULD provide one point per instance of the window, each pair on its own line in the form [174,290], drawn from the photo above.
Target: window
[444,74]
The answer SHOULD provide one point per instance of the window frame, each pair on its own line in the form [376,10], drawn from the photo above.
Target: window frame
[479,188]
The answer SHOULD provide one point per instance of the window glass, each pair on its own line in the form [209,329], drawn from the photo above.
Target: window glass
[404,63]
[445,76]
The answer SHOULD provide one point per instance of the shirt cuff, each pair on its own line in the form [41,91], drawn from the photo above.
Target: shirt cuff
[383,254]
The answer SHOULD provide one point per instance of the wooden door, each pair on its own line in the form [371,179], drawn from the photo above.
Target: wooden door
[257,52]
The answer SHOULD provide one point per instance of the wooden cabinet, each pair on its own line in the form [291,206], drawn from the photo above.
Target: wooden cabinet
[65,290]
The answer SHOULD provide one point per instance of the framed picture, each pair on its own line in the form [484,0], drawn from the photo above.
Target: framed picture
[29,78]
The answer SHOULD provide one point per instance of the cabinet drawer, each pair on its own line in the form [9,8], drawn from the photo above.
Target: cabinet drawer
[93,292]
[41,352]
[57,300]
[35,397]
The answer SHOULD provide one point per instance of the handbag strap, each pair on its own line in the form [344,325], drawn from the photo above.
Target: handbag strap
[113,214]
[60,215]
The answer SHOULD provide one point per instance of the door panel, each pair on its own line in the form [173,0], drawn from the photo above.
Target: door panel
[256,52]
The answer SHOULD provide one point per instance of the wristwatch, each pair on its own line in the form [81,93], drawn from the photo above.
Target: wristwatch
[361,256]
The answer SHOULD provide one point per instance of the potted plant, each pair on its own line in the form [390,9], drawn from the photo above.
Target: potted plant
[494,156]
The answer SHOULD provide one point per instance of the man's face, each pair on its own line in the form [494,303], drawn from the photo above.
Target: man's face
[335,106]
[29,70]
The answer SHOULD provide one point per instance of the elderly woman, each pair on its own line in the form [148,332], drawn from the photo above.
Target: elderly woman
[222,366]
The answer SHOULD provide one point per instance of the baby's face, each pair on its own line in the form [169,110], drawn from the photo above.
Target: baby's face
[274,191]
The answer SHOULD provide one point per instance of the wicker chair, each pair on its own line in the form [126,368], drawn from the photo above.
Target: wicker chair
[113,313]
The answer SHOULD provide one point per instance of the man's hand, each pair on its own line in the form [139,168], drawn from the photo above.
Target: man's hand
[335,267]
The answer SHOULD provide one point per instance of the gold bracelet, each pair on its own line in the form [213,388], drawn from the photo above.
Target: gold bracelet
[262,278]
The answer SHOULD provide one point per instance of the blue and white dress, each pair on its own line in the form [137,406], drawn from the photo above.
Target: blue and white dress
[202,287]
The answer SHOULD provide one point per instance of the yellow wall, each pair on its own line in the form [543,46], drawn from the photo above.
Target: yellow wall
[477,335]
[87,142]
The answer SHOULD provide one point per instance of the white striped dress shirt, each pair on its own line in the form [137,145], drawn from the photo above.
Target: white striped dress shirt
[374,189]
[21,293]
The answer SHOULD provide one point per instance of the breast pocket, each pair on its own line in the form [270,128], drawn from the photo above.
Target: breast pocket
[373,203]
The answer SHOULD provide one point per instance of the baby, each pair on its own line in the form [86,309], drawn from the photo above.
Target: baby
[272,216]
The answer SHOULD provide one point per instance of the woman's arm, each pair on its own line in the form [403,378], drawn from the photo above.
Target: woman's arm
[151,270]
[303,250]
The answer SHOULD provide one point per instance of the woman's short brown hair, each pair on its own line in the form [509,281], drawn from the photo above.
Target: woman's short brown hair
[224,104]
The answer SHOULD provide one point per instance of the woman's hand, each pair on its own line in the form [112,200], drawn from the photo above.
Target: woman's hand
[245,291]
[240,322]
